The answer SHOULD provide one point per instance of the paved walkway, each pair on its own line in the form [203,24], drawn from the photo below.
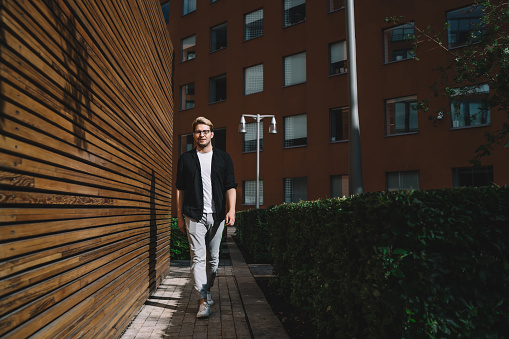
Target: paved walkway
[240,309]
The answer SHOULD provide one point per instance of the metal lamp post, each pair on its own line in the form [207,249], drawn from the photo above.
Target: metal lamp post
[272,130]
[354,139]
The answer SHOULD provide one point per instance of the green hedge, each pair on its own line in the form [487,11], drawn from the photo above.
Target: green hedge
[179,245]
[420,264]
[253,233]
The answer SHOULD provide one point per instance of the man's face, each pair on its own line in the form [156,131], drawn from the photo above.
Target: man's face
[202,135]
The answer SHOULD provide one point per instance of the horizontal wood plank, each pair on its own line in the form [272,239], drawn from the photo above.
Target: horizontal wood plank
[86,124]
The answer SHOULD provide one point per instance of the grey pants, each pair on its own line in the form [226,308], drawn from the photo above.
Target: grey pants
[204,241]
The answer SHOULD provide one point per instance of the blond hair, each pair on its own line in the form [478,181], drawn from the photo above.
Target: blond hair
[203,121]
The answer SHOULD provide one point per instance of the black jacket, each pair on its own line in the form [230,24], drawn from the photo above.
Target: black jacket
[189,181]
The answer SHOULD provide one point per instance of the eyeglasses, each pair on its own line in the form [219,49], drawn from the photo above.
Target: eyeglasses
[200,132]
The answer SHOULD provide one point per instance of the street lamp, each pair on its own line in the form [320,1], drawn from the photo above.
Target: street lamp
[272,130]
[354,137]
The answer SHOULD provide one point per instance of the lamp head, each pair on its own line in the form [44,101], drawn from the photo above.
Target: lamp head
[272,127]
[242,125]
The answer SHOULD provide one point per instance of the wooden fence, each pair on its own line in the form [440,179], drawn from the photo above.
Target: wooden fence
[85,164]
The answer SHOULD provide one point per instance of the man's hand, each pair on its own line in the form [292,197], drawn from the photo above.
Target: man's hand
[230,218]
[182,224]
[231,196]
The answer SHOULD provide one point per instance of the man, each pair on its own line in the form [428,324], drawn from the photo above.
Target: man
[206,194]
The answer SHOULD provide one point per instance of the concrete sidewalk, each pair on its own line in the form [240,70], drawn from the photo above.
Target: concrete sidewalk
[240,310]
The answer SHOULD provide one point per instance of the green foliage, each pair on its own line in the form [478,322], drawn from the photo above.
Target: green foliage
[253,232]
[484,60]
[408,264]
[179,245]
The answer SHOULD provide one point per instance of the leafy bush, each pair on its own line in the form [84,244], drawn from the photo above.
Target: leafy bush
[420,264]
[179,245]
[253,232]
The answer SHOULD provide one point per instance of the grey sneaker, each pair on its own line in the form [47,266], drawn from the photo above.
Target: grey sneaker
[209,299]
[203,310]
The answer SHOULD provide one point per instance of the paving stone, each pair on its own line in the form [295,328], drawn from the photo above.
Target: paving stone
[239,303]
[214,329]
[187,330]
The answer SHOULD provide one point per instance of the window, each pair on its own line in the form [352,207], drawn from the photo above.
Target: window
[188,51]
[337,58]
[187,96]
[470,107]
[334,5]
[296,189]
[295,69]
[249,192]
[217,88]
[186,143]
[296,130]
[219,139]
[253,79]
[294,11]
[408,180]
[398,43]
[250,137]
[472,176]
[188,6]
[339,118]
[253,24]
[218,37]
[338,186]
[401,115]
[166,11]
[463,26]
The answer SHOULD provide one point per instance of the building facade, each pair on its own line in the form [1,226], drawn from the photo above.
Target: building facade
[288,58]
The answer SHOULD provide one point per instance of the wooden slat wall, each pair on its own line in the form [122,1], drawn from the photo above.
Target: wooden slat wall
[85,164]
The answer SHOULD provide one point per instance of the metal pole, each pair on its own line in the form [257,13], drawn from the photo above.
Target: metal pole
[354,140]
[258,161]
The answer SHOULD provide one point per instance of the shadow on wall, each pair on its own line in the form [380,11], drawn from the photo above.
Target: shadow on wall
[77,92]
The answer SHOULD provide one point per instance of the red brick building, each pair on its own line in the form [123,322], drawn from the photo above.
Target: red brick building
[288,58]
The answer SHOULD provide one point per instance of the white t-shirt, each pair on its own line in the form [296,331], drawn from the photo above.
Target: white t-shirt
[206,169]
